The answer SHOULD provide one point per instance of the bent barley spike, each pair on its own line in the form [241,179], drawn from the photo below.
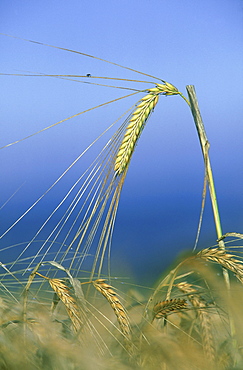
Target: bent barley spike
[137,122]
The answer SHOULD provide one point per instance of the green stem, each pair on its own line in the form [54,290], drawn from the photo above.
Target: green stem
[183,97]
[193,103]
[205,149]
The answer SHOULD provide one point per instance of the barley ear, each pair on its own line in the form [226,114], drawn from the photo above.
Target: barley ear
[226,260]
[162,309]
[137,122]
[204,318]
[107,291]
[63,293]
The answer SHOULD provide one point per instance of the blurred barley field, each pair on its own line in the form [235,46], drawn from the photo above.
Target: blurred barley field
[62,304]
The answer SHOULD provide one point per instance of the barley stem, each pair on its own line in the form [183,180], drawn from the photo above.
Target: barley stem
[205,150]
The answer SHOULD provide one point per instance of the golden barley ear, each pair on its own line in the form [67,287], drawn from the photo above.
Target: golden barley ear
[162,309]
[63,293]
[226,260]
[107,291]
[137,122]
[204,318]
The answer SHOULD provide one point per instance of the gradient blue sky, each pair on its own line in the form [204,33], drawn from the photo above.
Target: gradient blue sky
[183,42]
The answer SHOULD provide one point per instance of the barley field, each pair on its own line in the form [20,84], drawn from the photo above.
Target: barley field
[84,281]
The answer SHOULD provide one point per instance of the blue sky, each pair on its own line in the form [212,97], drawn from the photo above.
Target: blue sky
[183,42]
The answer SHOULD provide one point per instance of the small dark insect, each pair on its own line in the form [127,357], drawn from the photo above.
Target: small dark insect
[88,75]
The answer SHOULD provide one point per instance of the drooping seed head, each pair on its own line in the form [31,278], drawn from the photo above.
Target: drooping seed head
[133,131]
[137,123]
